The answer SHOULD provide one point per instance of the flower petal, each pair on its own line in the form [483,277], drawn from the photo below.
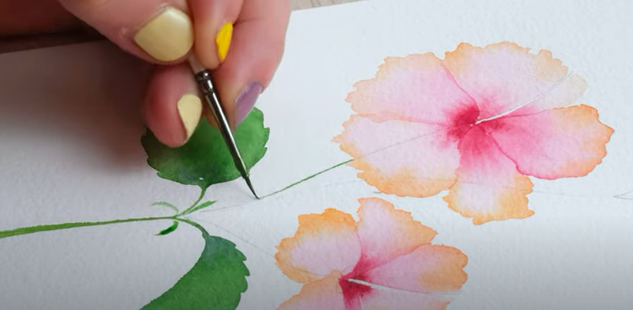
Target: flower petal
[488,187]
[386,233]
[416,88]
[323,243]
[430,268]
[389,300]
[564,142]
[401,158]
[503,77]
[317,295]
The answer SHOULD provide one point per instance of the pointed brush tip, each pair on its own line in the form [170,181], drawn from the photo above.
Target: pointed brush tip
[250,186]
[254,194]
[253,191]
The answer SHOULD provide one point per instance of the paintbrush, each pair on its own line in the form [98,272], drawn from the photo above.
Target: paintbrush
[203,78]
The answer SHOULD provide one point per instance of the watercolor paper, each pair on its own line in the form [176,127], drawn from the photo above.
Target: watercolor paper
[415,154]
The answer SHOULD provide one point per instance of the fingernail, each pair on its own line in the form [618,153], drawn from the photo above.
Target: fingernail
[223,40]
[189,110]
[166,37]
[245,101]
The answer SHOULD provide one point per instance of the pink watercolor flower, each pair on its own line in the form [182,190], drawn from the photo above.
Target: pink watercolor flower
[383,261]
[478,122]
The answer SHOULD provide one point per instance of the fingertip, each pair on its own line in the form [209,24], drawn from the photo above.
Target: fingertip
[172,107]
[189,108]
[256,51]
[213,23]
[166,37]
[245,102]
[158,31]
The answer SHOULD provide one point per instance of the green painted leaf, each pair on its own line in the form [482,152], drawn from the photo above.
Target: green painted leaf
[165,204]
[216,281]
[199,207]
[205,160]
[169,229]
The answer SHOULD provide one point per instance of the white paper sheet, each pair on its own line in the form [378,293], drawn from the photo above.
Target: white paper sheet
[70,152]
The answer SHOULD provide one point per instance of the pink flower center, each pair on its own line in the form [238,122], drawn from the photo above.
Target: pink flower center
[353,291]
[463,121]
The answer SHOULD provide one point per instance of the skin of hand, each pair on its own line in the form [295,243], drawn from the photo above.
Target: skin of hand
[241,41]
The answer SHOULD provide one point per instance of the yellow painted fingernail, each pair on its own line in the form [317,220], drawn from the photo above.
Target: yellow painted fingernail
[223,40]
[166,37]
[189,110]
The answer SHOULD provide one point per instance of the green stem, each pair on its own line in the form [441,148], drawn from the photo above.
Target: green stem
[192,223]
[308,178]
[195,203]
[40,228]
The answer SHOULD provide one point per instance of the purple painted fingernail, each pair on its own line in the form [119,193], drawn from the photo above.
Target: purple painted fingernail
[245,101]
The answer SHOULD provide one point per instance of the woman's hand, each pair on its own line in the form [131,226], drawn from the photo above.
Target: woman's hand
[166,32]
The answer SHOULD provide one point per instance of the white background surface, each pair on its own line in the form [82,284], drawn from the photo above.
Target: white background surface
[70,151]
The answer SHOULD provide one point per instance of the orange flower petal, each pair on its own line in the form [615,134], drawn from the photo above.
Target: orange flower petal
[488,187]
[564,142]
[323,243]
[318,295]
[401,158]
[416,88]
[386,233]
[504,76]
[430,268]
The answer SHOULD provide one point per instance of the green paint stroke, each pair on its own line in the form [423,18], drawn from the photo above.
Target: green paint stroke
[308,178]
[216,281]
[41,228]
[166,205]
[197,208]
[169,229]
[205,160]
[203,191]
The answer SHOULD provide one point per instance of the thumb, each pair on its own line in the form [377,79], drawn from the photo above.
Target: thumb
[159,31]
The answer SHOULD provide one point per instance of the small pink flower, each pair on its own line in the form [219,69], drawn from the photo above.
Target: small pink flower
[336,258]
[478,123]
